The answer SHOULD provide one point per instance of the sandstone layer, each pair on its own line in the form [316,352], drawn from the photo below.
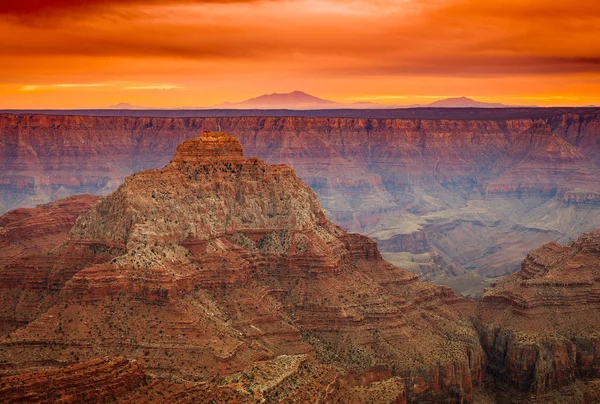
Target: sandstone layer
[223,276]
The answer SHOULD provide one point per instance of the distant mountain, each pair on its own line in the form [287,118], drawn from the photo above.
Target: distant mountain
[299,100]
[124,105]
[464,102]
[296,100]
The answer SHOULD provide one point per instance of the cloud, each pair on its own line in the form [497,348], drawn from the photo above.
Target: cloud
[36,87]
[154,87]
[32,8]
[465,37]
[226,41]
[133,87]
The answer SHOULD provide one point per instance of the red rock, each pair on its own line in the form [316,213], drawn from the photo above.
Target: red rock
[93,381]
[539,326]
[209,148]
[365,171]
[214,268]
[31,274]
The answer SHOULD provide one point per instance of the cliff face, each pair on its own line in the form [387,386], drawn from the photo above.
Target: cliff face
[364,153]
[367,173]
[225,274]
[539,326]
[25,230]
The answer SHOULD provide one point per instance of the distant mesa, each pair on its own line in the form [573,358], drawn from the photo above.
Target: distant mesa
[295,97]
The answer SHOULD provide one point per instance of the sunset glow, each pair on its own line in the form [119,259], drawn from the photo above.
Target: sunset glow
[178,53]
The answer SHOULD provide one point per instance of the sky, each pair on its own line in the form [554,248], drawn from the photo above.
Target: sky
[192,53]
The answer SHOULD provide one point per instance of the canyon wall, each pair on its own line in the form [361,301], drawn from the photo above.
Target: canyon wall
[478,193]
[220,278]
[30,276]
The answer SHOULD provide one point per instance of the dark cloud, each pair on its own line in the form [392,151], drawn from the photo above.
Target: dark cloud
[52,8]
[457,38]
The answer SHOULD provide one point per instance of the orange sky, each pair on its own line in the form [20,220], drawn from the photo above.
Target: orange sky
[174,53]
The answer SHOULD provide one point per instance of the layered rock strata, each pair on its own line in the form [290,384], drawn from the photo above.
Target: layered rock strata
[528,180]
[540,326]
[31,271]
[224,273]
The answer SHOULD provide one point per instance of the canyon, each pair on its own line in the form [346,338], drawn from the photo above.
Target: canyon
[220,277]
[456,196]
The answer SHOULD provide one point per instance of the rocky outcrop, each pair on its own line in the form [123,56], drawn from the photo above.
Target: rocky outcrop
[214,148]
[539,326]
[41,228]
[226,270]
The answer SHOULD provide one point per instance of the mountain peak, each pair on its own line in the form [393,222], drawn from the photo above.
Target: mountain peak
[209,148]
[463,102]
[292,100]
[123,105]
[294,97]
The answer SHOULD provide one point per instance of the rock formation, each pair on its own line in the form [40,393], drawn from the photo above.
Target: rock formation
[223,277]
[482,192]
[31,274]
[540,326]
